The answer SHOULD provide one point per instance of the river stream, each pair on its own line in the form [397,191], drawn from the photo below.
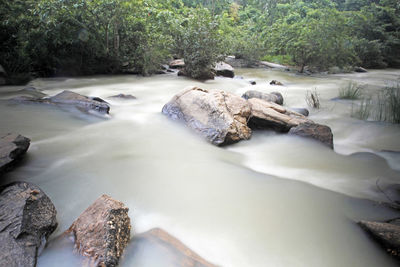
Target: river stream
[275,200]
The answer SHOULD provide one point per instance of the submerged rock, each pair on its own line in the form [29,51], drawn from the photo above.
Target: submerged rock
[360,69]
[69,98]
[169,250]
[123,96]
[387,234]
[316,131]
[219,116]
[302,111]
[224,69]
[275,97]
[269,115]
[275,82]
[86,103]
[177,64]
[12,148]
[102,231]
[27,218]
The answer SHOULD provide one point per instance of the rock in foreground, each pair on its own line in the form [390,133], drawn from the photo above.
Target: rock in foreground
[102,231]
[316,131]
[275,97]
[224,69]
[27,218]
[269,115]
[218,116]
[12,148]
[386,234]
[167,250]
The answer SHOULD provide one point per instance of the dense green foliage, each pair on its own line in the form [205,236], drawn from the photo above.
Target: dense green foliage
[78,37]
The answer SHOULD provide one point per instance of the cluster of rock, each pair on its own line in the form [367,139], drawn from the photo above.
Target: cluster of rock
[224,118]
[220,69]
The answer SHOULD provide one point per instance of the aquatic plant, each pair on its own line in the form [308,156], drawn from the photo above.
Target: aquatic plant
[351,90]
[312,99]
[363,111]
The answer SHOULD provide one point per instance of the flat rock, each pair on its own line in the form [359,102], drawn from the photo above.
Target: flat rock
[219,116]
[167,250]
[386,234]
[102,231]
[177,64]
[321,133]
[12,148]
[275,97]
[269,115]
[360,69]
[27,218]
[123,96]
[224,69]
[70,99]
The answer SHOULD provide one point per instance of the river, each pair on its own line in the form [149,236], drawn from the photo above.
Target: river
[275,200]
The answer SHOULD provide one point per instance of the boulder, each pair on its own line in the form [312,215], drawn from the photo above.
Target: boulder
[102,231]
[387,234]
[316,131]
[69,98]
[27,218]
[169,250]
[239,62]
[275,82]
[224,69]
[275,97]
[302,111]
[219,116]
[123,96]
[12,148]
[360,69]
[80,101]
[177,64]
[269,115]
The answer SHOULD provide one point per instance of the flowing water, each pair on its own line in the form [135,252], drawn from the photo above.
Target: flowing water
[275,200]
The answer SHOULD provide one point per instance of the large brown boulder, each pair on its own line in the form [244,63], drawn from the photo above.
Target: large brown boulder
[12,148]
[102,231]
[27,218]
[224,69]
[275,97]
[269,115]
[168,249]
[219,116]
[387,234]
[315,131]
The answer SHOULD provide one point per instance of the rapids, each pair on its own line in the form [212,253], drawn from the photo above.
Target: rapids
[275,200]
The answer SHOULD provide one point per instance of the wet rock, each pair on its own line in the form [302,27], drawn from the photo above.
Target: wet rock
[12,148]
[177,64]
[168,250]
[360,69]
[123,96]
[219,116]
[102,231]
[252,82]
[386,234]
[269,115]
[275,82]
[302,111]
[316,131]
[239,62]
[275,97]
[224,69]
[68,98]
[27,218]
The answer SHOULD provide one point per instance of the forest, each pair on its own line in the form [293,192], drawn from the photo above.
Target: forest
[42,38]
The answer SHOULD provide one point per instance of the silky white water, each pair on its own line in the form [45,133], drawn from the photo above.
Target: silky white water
[275,200]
